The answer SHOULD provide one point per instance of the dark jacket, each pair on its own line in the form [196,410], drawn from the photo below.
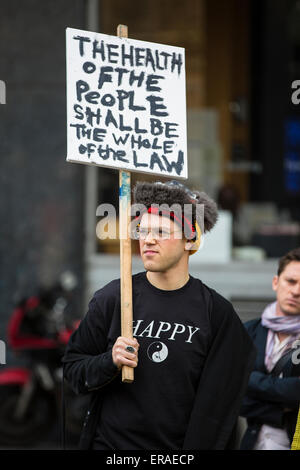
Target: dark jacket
[88,367]
[268,396]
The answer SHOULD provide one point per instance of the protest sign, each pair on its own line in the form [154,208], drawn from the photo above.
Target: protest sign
[126,104]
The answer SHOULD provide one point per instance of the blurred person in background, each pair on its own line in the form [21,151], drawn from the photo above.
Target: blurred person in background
[272,399]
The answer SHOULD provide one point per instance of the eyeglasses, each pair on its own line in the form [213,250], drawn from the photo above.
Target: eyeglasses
[157,233]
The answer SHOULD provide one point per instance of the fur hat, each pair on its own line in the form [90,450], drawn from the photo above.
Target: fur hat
[173,192]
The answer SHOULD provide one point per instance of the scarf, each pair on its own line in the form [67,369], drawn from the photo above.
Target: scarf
[289,325]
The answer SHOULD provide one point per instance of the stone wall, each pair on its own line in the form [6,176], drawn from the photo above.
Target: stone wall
[41,196]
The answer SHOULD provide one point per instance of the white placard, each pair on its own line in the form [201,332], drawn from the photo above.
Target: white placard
[126,104]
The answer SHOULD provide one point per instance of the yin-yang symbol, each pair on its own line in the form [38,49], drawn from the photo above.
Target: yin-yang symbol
[157,351]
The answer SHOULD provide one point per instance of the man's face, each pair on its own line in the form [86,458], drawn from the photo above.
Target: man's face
[287,288]
[162,244]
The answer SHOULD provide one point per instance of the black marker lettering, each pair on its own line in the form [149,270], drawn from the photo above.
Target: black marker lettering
[90,115]
[167,146]
[82,40]
[155,146]
[81,88]
[150,59]
[98,50]
[178,166]
[108,100]
[157,60]
[104,77]
[122,95]
[122,127]
[92,97]
[120,140]
[128,56]
[99,134]
[78,110]
[156,127]
[119,155]
[120,72]
[156,160]
[110,119]
[137,129]
[155,107]
[103,152]
[81,131]
[139,56]
[112,54]
[139,78]
[166,55]
[89,149]
[89,67]
[170,128]
[151,81]
[131,104]
[176,61]
[135,161]
[140,142]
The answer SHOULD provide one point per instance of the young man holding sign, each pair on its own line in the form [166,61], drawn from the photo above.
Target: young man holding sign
[191,354]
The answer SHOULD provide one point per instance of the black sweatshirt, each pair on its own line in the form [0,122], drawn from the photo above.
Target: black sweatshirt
[194,362]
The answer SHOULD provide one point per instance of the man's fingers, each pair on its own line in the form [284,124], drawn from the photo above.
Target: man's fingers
[125,352]
[127,342]
[126,347]
[127,362]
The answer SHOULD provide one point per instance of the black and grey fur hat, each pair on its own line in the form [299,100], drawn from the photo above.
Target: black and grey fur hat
[172,192]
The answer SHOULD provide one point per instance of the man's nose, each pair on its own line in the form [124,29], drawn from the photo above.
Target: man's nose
[149,238]
[296,289]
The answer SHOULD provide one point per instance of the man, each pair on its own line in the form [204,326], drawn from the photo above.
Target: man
[191,353]
[273,393]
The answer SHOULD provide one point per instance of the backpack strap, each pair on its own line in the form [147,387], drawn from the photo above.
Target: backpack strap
[281,363]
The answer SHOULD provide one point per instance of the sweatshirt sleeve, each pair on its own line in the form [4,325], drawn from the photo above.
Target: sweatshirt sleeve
[260,411]
[223,380]
[274,389]
[87,361]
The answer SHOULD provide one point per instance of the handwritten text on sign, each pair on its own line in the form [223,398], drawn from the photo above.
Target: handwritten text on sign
[126,104]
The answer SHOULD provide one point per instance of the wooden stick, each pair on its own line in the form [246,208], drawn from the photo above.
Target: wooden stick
[125,251]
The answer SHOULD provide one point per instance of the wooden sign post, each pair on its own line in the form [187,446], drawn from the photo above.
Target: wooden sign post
[125,250]
[126,109]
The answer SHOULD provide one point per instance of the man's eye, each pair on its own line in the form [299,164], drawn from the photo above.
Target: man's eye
[165,234]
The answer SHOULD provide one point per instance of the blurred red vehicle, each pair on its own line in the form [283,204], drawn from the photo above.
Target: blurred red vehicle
[30,394]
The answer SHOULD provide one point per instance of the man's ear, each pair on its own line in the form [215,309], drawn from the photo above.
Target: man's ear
[275,283]
[188,245]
